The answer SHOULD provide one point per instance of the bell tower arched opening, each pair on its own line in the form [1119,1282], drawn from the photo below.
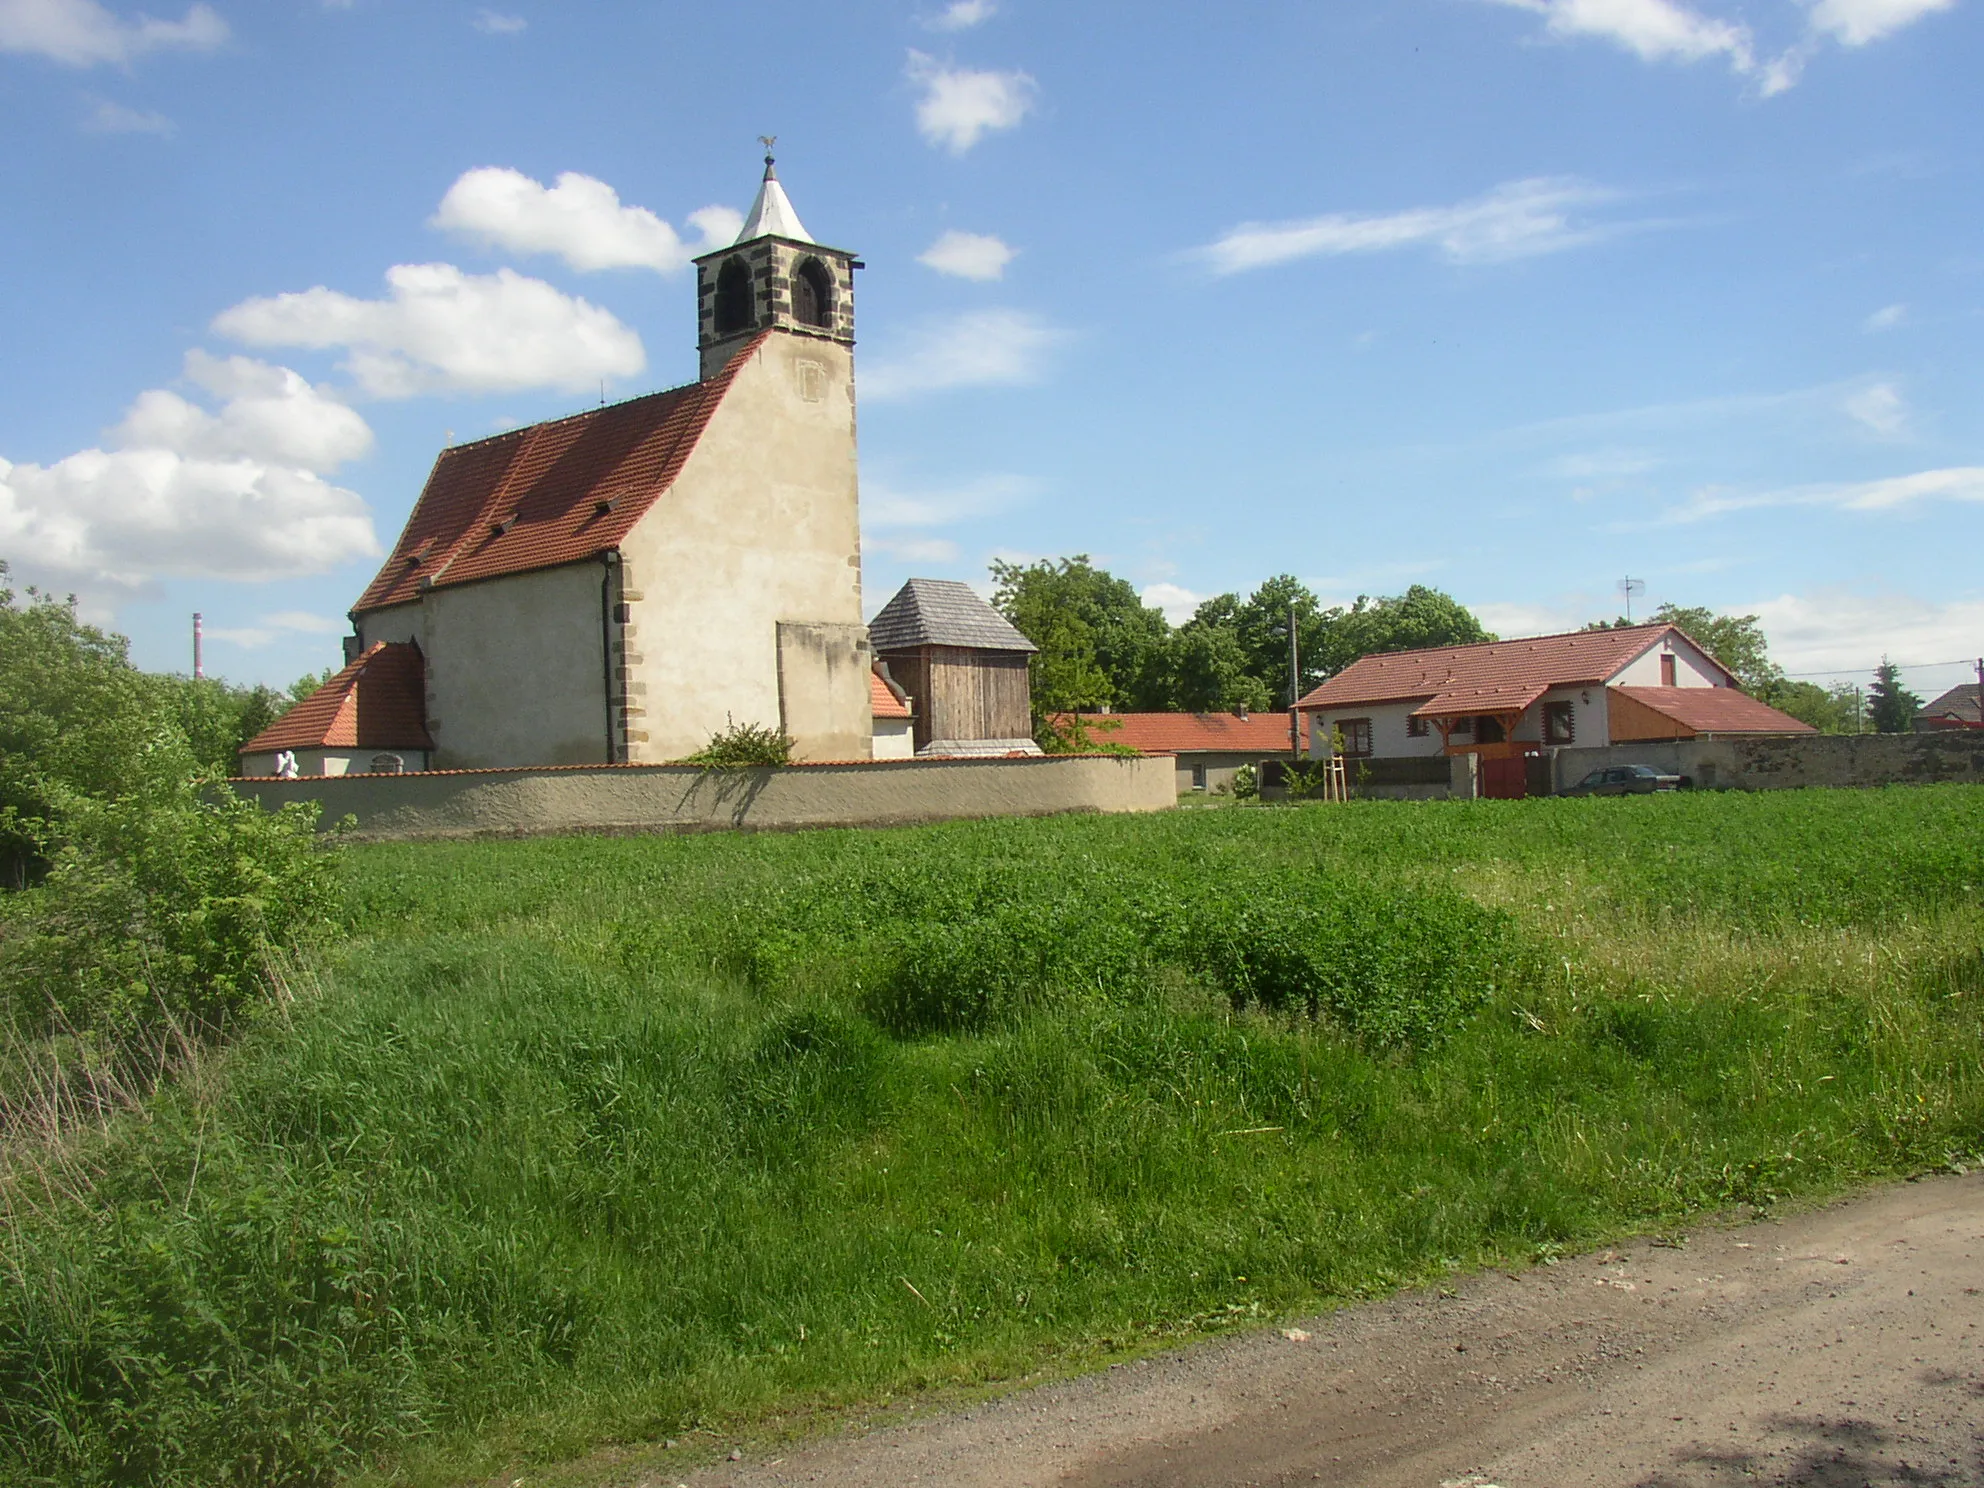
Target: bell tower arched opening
[813,294]
[733,298]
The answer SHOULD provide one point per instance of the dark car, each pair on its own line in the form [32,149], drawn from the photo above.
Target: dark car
[1624,780]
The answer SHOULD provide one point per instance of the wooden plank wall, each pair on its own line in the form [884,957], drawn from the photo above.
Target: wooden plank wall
[964,694]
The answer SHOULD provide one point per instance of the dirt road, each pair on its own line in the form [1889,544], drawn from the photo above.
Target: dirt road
[1840,1347]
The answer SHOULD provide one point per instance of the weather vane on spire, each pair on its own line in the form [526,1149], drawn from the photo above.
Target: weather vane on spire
[768,140]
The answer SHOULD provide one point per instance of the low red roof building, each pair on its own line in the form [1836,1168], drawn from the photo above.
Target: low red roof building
[1209,746]
[1959,708]
[369,718]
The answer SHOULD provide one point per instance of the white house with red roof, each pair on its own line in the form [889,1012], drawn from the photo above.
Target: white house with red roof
[620,585]
[1506,699]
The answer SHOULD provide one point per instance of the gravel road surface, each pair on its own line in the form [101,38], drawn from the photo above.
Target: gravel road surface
[1839,1347]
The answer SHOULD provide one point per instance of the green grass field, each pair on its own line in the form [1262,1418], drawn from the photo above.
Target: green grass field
[584,1142]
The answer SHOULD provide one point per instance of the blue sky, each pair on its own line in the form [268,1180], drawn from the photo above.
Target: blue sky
[1514,297]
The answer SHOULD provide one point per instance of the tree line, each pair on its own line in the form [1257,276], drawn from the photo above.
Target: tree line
[1102,647]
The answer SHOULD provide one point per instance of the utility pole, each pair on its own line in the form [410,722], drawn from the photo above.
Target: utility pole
[1980,692]
[1295,687]
[198,671]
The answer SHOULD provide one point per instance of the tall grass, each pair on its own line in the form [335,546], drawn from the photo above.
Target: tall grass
[590,1141]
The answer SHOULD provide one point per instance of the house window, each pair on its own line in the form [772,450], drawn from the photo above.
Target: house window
[1461,728]
[1415,726]
[812,294]
[1667,671]
[733,297]
[1489,731]
[1198,777]
[1356,736]
[1559,723]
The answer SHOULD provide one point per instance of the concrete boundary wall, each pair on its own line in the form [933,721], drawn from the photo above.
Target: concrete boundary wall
[681,798]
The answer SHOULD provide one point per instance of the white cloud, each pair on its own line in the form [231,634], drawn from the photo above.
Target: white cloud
[234,494]
[579,219]
[1515,220]
[441,330]
[1885,319]
[83,33]
[986,348]
[1856,22]
[106,117]
[1665,31]
[968,256]
[492,23]
[1653,30]
[1513,621]
[1880,407]
[270,414]
[939,550]
[962,15]
[884,506]
[1846,633]
[270,627]
[1963,483]
[1177,602]
[959,105]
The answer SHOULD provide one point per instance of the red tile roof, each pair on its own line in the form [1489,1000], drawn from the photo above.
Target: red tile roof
[1717,710]
[1493,670]
[1469,702]
[549,494]
[885,703]
[1184,733]
[378,702]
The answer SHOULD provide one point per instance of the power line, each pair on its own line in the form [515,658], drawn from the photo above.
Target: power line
[1906,666]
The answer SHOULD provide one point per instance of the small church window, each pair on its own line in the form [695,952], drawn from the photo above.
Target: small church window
[733,297]
[812,294]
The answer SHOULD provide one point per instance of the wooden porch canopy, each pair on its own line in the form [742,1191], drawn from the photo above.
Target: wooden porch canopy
[1505,702]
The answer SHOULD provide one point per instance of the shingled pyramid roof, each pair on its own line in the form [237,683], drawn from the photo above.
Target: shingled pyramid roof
[943,612]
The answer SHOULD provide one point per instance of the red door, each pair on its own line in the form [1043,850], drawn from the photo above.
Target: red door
[1505,779]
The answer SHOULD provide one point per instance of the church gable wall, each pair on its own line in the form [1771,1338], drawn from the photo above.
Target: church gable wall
[760,528]
[515,670]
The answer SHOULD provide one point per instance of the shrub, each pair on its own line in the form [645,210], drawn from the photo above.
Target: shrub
[163,908]
[740,746]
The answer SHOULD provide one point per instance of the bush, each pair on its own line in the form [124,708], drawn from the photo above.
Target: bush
[740,746]
[140,894]
[163,908]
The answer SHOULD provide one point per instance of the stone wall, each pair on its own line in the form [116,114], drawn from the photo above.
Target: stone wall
[676,798]
[1791,761]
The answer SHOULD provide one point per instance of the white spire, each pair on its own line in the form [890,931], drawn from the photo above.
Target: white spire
[771,214]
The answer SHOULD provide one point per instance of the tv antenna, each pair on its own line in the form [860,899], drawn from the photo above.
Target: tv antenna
[1630,586]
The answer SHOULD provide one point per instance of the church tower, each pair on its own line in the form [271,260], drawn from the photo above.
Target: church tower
[773,276]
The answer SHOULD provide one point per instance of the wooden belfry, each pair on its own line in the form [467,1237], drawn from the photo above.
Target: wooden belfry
[964,665]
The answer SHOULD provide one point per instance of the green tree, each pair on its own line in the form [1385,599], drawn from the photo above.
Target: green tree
[1262,626]
[1891,706]
[1210,670]
[76,719]
[1832,710]
[1100,644]
[1411,621]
